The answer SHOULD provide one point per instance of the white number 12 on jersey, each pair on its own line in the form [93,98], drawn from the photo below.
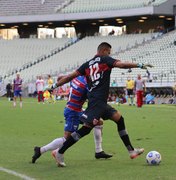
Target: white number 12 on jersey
[94,72]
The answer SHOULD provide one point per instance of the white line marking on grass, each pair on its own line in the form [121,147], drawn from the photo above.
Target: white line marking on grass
[22,176]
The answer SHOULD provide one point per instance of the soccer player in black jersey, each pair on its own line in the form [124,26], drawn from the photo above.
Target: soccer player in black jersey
[97,71]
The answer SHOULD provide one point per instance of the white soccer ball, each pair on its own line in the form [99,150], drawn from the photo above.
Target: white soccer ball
[153,158]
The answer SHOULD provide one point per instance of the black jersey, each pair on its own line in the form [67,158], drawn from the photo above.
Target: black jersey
[97,71]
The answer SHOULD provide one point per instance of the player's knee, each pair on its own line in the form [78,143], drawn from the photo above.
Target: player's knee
[100,123]
[116,117]
[83,131]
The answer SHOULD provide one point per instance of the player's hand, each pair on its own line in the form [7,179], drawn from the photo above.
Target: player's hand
[144,66]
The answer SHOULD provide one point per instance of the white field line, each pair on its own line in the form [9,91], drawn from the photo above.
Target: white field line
[22,176]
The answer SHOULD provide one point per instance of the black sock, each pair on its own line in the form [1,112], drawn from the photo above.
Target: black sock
[75,136]
[123,134]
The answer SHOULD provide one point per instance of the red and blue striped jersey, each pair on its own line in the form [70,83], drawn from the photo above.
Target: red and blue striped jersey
[77,94]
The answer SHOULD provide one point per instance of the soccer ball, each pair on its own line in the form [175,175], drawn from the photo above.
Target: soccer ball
[153,158]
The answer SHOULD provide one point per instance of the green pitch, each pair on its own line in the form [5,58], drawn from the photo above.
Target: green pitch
[152,127]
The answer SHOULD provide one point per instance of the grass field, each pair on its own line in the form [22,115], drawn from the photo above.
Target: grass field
[152,127]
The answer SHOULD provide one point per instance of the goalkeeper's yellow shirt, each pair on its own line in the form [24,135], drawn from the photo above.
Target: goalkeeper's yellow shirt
[50,82]
[130,84]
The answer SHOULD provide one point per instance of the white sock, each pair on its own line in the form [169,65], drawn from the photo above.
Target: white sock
[21,104]
[56,143]
[14,103]
[98,138]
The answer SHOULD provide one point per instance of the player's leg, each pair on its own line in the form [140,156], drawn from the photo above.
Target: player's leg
[42,97]
[38,93]
[114,115]
[71,125]
[129,99]
[20,96]
[99,153]
[75,137]
[138,98]
[14,99]
[142,94]
[132,99]
[91,114]
[98,138]
[53,98]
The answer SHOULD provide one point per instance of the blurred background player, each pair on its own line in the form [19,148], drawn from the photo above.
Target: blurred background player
[50,83]
[17,89]
[40,88]
[150,98]
[140,88]
[9,91]
[72,114]
[130,89]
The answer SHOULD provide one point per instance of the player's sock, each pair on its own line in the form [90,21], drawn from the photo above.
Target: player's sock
[56,143]
[98,138]
[123,134]
[132,101]
[21,104]
[75,136]
[129,100]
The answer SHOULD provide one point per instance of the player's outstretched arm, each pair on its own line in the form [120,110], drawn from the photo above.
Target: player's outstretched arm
[126,65]
[65,79]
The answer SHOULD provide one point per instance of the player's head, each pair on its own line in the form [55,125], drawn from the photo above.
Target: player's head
[104,49]
[128,78]
[17,74]
[139,76]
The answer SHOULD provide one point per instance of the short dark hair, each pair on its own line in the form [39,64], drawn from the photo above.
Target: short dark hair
[104,45]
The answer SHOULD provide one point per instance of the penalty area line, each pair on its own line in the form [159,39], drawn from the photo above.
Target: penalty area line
[22,176]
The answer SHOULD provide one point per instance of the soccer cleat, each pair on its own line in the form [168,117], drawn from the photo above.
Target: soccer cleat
[59,158]
[36,155]
[136,152]
[102,155]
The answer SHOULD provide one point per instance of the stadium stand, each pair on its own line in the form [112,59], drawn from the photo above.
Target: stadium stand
[30,7]
[73,55]
[34,57]
[39,7]
[20,52]
[160,52]
[106,5]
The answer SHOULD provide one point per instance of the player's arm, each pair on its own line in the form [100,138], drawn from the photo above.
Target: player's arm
[65,79]
[126,65]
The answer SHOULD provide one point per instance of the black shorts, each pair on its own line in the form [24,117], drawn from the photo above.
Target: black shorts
[130,92]
[97,110]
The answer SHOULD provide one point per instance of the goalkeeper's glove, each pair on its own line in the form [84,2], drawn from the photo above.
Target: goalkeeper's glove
[144,66]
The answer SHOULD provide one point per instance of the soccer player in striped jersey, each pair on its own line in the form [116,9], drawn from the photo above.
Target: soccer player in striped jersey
[17,89]
[72,114]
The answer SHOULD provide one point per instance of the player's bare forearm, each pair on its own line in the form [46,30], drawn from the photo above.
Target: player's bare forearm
[125,65]
[67,78]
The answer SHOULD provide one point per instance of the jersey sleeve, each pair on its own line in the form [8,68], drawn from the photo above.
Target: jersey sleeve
[109,61]
[82,69]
